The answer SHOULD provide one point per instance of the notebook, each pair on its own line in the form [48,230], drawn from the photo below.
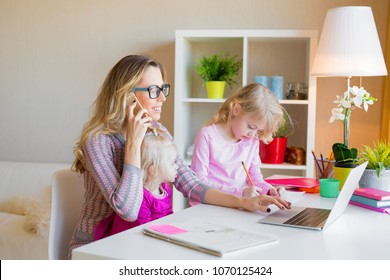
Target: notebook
[201,235]
[317,218]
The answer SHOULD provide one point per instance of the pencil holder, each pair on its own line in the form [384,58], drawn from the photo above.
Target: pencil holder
[324,168]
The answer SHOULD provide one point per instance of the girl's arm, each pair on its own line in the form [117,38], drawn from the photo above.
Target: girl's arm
[201,163]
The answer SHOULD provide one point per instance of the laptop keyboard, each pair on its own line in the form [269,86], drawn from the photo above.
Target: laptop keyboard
[309,217]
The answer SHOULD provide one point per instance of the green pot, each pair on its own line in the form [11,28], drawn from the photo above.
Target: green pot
[341,173]
[215,89]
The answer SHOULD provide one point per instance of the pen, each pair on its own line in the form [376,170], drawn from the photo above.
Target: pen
[247,174]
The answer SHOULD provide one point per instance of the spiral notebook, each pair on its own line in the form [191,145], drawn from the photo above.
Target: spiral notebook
[207,237]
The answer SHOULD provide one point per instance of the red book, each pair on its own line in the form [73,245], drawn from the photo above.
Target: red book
[295,182]
[373,193]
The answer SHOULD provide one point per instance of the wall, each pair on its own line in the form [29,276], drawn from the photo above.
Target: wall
[54,56]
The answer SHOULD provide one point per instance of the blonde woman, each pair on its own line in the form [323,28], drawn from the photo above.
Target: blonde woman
[108,153]
[232,138]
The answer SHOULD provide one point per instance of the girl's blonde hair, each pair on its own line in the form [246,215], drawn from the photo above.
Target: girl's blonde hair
[109,108]
[155,149]
[256,101]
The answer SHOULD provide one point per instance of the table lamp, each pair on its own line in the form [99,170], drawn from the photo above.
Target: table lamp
[349,46]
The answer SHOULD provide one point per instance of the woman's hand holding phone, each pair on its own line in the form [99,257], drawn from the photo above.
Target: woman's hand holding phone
[138,119]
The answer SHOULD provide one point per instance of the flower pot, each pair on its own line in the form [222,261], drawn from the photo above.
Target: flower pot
[215,89]
[274,152]
[370,179]
[341,173]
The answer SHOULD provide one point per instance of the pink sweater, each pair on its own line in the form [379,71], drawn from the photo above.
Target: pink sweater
[152,208]
[218,162]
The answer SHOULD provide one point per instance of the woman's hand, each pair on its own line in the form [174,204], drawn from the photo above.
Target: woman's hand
[261,202]
[136,126]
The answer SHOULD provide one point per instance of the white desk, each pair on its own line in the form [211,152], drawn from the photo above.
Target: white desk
[358,234]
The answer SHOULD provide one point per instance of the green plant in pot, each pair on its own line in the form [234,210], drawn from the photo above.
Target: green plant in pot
[274,152]
[217,71]
[377,173]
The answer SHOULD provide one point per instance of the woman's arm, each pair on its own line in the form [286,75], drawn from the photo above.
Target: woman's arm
[260,202]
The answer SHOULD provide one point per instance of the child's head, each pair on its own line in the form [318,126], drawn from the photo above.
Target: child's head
[254,109]
[158,157]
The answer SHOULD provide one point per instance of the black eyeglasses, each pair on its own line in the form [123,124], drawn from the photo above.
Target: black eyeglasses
[154,91]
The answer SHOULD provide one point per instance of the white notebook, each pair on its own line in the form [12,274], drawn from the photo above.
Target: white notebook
[211,238]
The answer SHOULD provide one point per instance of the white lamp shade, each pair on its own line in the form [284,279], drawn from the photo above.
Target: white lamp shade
[349,45]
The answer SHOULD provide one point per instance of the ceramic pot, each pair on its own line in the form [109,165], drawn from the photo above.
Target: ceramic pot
[274,152]
[215,89]
[341,173]
[371,180]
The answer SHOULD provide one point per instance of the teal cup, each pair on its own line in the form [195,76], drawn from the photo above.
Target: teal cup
[329,187]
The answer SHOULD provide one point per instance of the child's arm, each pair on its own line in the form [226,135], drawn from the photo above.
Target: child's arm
[201,164]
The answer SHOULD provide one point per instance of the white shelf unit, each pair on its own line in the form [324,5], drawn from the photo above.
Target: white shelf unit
[288,53]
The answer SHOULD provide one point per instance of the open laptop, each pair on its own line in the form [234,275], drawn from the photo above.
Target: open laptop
[317,218]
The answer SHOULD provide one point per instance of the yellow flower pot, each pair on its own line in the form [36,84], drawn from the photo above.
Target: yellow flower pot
[341,173]
[215,89]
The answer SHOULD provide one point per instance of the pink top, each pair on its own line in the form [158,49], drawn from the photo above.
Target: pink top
[217,162]
[152,208]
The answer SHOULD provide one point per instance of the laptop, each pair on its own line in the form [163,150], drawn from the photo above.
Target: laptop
[317,218]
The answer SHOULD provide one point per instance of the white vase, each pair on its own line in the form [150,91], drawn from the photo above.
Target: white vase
[370,179]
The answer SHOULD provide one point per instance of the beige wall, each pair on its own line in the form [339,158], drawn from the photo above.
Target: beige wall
[55,54]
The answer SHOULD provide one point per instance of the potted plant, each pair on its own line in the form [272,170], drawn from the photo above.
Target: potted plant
[274,152]
[217,71]
[345,157]
[377,173]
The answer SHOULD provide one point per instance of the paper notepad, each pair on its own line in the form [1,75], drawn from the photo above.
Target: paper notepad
[207,237]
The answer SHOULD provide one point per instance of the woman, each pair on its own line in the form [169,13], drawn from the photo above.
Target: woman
[109,150]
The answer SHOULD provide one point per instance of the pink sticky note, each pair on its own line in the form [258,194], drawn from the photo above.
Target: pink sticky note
[167,229]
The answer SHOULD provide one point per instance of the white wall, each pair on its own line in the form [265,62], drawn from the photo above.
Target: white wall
[54,55]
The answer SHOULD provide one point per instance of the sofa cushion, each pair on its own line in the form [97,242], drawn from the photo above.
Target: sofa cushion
[18,243]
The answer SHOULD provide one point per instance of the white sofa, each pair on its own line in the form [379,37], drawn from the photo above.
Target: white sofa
[25,195]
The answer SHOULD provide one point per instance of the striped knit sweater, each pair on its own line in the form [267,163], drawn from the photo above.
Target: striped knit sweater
[110,185]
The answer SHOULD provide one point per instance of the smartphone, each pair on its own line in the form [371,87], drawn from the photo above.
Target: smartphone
[131,99]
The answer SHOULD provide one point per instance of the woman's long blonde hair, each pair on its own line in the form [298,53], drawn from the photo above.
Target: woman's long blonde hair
[256,101]
[109,108]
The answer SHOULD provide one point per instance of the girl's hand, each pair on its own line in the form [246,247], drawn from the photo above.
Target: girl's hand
[251,191]
[262,202]
[278,191]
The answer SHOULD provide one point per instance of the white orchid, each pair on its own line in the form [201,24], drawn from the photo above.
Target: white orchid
[354,97]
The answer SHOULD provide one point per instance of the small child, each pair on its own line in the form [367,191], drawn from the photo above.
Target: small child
[158,155]
[232,137]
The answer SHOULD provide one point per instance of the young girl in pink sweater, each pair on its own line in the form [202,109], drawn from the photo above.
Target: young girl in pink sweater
[232,137]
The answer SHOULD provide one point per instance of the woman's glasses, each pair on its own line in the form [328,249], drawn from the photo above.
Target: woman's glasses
[154,91]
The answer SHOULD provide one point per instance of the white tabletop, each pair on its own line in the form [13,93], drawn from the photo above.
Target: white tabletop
[358,234]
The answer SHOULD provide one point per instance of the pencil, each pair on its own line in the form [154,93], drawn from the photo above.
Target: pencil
[247,174]
[318,165]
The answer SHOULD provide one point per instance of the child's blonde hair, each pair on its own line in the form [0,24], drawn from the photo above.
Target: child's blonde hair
[109,112]
[155,149]
[256,101]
